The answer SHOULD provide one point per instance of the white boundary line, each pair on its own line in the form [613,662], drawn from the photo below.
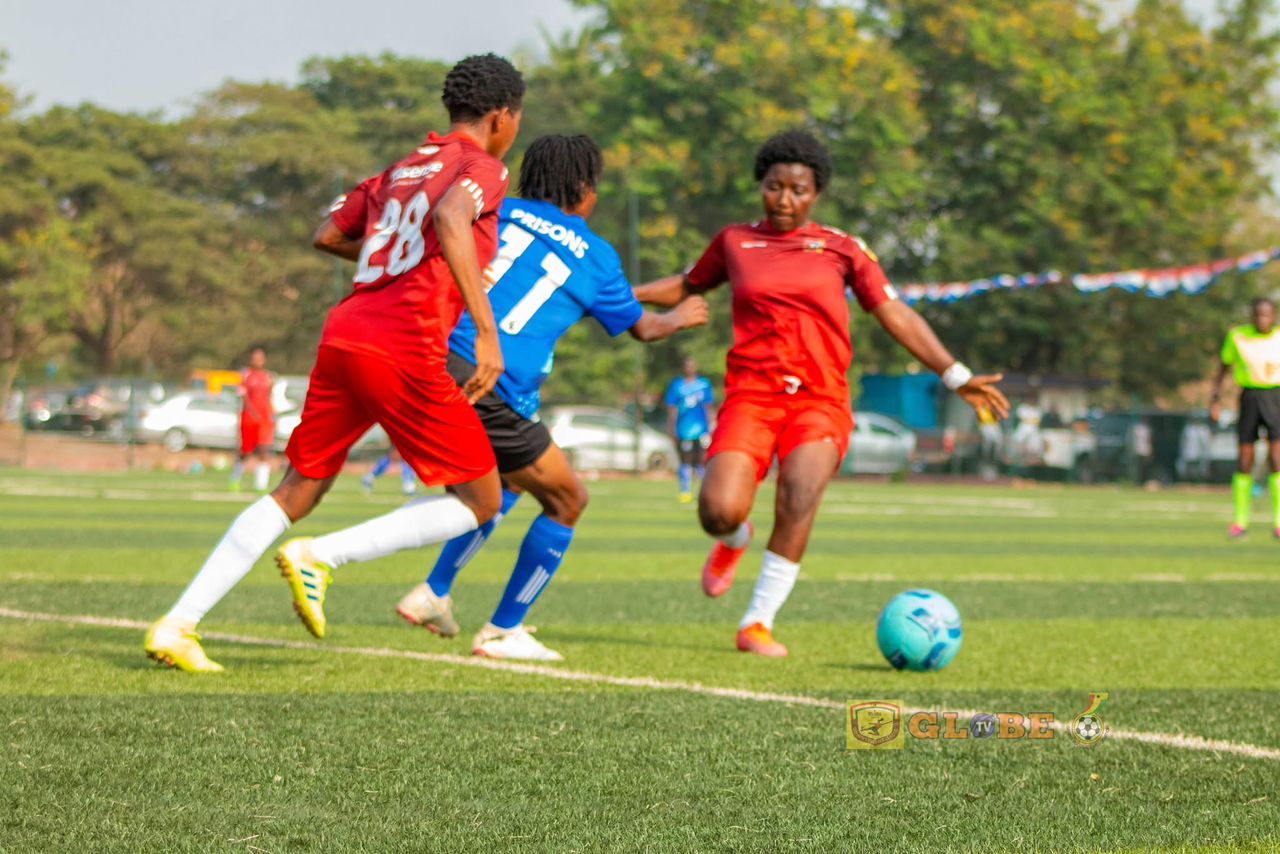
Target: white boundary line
[1180,742]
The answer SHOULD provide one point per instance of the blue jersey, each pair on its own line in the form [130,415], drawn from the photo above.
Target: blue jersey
[550,270]
[691,399]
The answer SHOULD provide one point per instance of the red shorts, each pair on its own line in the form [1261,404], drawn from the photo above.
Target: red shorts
[425,414]
[760,425]
[256,434]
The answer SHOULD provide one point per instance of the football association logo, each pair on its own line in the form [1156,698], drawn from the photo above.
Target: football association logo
[1089,728]
[872,724]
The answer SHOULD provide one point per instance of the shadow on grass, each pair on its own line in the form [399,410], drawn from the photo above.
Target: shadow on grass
[861,666]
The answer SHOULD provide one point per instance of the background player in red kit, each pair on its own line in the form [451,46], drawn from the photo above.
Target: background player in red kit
[257,420]
[786,391]
[420,233]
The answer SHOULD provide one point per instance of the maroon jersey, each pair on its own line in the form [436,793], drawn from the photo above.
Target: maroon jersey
[405,302]
[790,309]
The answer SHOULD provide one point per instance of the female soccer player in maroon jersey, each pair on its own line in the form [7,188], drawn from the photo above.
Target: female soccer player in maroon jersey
[786,391]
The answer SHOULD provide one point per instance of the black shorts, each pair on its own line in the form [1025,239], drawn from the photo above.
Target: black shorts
[693,451]
[1259,413]
[517,442]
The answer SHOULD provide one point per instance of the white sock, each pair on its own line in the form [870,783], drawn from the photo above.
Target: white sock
[248,539]
[738,538]
[261,477]
[419,523]
[777,577]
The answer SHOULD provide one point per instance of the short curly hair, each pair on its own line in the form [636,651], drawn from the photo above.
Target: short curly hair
[796,146]
[479,84]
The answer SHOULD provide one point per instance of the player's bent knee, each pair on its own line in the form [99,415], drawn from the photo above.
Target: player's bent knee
[483,501]
[565,504]
[720,518]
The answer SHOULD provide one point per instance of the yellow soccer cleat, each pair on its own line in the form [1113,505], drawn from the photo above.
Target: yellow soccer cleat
[176,644]
[308,580]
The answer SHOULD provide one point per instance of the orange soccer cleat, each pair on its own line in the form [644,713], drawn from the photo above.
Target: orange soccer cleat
[722,566]
[758,638]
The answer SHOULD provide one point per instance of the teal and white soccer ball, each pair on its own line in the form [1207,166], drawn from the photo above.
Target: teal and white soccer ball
[919,630]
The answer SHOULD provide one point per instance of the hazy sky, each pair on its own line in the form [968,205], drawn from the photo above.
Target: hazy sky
[160,54]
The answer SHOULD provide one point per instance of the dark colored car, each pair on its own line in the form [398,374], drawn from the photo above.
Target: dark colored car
[46,408]
[111,407]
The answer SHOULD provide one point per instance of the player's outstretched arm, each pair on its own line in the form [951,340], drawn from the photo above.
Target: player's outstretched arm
[665,292]
[329,238]
[654,326]
[453,217]
[913,332]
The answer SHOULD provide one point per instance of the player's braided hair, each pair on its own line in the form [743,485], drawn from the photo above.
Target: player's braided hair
[479,84]
[561,169]
[795,146]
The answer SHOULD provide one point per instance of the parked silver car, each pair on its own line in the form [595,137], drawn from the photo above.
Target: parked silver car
[879,445]
[193,419]
[594,437]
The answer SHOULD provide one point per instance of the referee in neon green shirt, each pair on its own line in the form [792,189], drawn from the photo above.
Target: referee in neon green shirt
[1253,354]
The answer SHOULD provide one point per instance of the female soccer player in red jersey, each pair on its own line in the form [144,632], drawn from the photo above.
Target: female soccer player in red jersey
[786,392]
[421,232]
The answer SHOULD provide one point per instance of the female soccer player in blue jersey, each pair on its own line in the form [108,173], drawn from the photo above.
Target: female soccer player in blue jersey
[550,271]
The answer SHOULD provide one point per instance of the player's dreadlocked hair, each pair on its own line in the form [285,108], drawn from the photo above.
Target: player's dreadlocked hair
[479,84]
[795,146]
[561,169]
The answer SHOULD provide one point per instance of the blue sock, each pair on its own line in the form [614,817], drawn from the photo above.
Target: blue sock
[408,479]
[381,466]
[540,555]
[686,477]
[702,472]
[459,551]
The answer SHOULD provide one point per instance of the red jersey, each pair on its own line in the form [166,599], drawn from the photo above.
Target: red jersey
[790,310]
[405,302]
[255,395]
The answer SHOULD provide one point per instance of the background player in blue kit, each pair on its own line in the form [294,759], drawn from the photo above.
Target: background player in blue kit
[689,399]
[550,271]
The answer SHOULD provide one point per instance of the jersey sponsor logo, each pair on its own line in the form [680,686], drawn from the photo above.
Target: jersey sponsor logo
[416,173]
[754,244]
[561,234]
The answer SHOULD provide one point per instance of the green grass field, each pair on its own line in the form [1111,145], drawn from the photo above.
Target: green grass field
[353,744]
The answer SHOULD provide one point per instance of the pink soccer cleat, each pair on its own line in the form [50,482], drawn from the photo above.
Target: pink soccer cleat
[722,566]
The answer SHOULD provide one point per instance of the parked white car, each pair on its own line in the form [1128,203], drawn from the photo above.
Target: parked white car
[878,445]
[193,419]
[597,438]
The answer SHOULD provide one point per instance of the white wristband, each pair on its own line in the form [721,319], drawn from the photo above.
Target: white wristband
[956,376]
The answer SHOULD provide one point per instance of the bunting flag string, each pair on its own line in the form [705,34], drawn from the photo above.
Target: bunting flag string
[1158,283]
